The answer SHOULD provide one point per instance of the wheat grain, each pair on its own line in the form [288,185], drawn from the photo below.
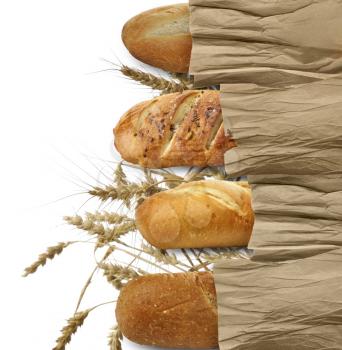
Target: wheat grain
[117,274]
[104,234]
[156,83]
[120,177]
[88,225]
[110,218]
[126,193]
[112,234]
[70,329]
[114,339]
[50,254]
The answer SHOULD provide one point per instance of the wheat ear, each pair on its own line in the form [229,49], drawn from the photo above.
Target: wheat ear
[116,274]
[156,83]
[114,339]
[70,329]
[50,254]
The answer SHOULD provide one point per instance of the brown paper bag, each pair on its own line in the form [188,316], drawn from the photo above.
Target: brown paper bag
[290,143]
[293,305]
[280,63]
[284,130]
[293,35]
[299,215]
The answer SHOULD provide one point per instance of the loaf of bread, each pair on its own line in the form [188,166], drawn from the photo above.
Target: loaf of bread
[180,129]
[199,214]
[161,37]
[170,311]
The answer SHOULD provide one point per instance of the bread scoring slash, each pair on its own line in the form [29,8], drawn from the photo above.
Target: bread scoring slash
[179,129]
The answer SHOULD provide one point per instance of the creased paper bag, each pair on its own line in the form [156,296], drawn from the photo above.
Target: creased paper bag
[279,64]
[293,305]
[297,216]
[289,142]
[284,130]
[290,145]
[291,35]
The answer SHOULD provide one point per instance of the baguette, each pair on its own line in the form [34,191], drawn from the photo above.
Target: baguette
[180,129]
[161,37]
[199,214]
[170,310]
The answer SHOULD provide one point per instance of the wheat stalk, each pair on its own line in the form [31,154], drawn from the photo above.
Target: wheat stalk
[117,274]
[70,329]
[160,255]
[118,231]
[50,254]
[110,218]
[114,339]
[125,193]
[120,177]
[89,279]
[88,225]
[156,83]
[128,191]
[230,253]
[104,234]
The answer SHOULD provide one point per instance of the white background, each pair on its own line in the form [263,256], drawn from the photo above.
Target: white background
[57,115]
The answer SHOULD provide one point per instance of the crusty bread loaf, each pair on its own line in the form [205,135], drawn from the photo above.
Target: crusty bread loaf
[161,37]
[199,214]
[174,130]
[170,310]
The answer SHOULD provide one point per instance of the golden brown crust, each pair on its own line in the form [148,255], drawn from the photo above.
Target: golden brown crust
[161,37]
[170,310]
[200,214]
[180,129]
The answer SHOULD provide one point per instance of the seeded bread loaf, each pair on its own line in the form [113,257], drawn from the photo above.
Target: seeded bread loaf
[170,311]
[199,214]
[180,129]
[161,37]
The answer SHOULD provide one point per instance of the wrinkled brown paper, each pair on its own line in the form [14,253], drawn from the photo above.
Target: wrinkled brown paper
[279,64]
[294,305]
[287,130]
[291,35]
[297,216]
